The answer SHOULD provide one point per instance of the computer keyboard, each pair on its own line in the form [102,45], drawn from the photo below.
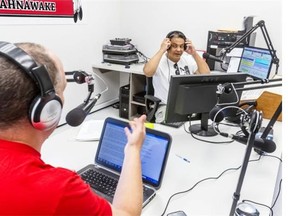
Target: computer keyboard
[173,124]
[100,182]
[106,184]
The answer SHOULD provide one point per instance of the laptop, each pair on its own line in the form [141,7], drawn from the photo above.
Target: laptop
[109,159]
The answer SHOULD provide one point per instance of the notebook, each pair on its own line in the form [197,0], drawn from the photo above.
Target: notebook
[90,130]
[110,154]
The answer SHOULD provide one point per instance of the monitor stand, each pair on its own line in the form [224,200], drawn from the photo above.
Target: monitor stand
[203,129]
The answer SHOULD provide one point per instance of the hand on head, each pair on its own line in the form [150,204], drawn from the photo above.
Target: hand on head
[166,43]
[190,47]
[137,134]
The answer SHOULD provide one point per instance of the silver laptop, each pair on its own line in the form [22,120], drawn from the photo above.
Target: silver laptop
[104,174]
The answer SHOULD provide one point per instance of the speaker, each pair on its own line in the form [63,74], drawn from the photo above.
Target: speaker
[45,109]
[124,101]
[179,34]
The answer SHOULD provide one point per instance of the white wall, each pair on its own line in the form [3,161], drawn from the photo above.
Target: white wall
[152,20]
[146,22]
[78,45]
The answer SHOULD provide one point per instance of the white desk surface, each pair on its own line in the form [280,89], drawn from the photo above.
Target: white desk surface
[133,68]
[212,197]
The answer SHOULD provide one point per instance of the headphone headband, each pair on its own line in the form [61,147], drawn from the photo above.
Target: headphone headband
[178,33]
[45,109]
[17,55]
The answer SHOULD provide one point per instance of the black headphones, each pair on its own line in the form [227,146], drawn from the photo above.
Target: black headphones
[45,110]
[179,34]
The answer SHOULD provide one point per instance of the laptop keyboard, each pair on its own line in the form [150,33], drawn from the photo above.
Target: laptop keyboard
[104,183]
[100,182]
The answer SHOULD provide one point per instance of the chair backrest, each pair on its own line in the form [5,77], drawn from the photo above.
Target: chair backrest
[151,102]
[149,86]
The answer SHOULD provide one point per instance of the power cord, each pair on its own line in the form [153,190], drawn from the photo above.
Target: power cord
[237,168]
[141,55]
[205,179]
[209,141]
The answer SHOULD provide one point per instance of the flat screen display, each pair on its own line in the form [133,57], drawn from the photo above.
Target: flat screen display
[256,62]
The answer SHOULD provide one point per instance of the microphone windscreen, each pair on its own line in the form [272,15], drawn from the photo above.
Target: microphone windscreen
[213,112]
[205,55]
[265,145]
[79,77]
[75,117]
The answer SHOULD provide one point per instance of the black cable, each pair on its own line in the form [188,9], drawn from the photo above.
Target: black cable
[208,141]
[277,196]
[280,185]
[144,57]
[205,179]
[261,204]
[274,157]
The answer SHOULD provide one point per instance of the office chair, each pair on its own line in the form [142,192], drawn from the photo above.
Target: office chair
[151,102]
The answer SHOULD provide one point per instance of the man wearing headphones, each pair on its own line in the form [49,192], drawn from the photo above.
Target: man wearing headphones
[176,55]
[32,81]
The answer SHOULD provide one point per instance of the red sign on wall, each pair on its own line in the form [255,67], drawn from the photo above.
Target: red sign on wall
[42,8]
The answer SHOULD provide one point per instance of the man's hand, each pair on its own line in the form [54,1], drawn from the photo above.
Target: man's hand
[137,135]
[166,43]
[190,47]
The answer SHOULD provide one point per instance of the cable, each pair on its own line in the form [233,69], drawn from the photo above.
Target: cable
[106,89]
[280,186]
[214,124]
[202,180]
[144,57]
[208,141]
[277,196]
[271,210]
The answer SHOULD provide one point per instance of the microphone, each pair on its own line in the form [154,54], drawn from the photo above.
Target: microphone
[214,58]
[264,145]
[80,76]
[76,116]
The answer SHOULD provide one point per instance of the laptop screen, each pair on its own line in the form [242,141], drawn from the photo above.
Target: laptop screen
[256,62]
[154,151]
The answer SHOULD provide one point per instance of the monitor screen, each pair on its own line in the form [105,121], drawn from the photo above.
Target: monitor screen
[191,97]
[256,62]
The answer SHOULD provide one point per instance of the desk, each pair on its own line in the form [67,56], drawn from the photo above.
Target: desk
[212,197]
[137,81]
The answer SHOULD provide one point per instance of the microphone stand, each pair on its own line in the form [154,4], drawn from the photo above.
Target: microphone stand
[270,125]
[272,121]
[236,194]
[267,39]
[81,77]
[250,144]
[251,138]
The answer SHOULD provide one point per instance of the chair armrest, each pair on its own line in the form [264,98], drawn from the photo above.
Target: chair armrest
[152,104]
[152,98]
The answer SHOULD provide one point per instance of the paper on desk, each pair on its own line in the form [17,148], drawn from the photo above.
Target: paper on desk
[233,65]
[90,130]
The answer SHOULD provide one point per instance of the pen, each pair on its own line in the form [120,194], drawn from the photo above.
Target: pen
[185,159]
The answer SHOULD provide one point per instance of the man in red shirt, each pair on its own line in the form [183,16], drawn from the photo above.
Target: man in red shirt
[30,109]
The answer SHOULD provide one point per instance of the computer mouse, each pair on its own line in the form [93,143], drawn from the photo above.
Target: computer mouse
[246,209]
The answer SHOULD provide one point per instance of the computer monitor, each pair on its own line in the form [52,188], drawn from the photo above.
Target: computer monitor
[256,62]
[191,97]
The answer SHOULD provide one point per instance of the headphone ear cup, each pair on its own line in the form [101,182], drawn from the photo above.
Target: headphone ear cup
[220,115]
[45,112]
[185,45]
[255,121]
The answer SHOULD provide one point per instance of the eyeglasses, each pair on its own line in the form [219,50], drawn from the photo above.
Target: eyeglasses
[177,71]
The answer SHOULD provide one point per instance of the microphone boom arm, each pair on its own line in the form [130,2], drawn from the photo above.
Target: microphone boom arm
[261,25]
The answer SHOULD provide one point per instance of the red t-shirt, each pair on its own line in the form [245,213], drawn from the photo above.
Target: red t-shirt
[28,186]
